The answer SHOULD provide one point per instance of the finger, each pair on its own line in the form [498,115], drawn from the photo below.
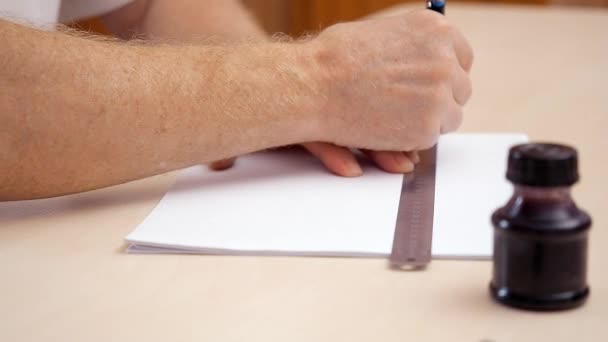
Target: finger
[336,159]
[452,119]
[391,161]
[222,164]
[461,87]
[464,51]
[414,156]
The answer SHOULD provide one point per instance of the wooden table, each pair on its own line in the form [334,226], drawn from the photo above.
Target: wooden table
[65,275]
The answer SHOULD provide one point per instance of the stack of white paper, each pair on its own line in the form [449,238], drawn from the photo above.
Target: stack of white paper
[286,203]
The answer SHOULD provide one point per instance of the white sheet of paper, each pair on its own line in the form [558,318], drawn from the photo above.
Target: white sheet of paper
[286,203]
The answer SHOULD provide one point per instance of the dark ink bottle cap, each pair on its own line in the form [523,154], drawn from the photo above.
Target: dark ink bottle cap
[540,235]
[543,165]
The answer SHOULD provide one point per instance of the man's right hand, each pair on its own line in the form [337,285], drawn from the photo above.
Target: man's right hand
[390,84]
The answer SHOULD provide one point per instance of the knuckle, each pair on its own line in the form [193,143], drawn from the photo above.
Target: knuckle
[440,73]
[442,26]
[447,55]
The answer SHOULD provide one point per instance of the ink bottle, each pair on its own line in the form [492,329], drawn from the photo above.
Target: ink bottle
[540,235]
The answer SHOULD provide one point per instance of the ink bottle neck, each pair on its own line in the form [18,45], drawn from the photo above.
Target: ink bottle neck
[542,209]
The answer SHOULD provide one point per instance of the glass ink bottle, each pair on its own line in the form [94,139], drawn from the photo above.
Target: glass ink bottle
[540,235]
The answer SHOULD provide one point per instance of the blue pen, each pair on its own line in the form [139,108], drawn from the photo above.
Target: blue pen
[436,5]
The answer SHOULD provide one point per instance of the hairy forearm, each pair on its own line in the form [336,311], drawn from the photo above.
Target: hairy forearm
[80,114]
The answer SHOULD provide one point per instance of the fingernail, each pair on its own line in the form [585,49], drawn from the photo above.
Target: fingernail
[403,163]
[414,157]
[354,169]
[221,165]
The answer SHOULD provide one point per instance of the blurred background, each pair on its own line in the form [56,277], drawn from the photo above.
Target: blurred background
[295,17]
[298,16]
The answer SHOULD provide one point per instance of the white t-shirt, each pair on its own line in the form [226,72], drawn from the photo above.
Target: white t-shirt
[43,13]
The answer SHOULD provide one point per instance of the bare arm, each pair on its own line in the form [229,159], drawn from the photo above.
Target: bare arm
[186,21]
[191,20]
[79,114]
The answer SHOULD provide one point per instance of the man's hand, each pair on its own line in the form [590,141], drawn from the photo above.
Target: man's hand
[390,84]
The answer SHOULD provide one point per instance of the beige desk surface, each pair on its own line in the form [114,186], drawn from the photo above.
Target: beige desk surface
[65,277]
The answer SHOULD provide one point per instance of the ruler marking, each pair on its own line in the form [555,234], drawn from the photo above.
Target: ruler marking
[412,241]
